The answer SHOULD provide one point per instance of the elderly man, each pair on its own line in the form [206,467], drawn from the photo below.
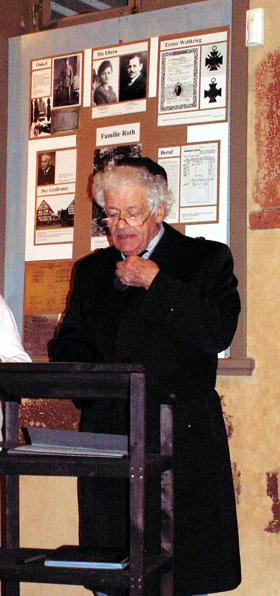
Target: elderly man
[169,302]
[46,174]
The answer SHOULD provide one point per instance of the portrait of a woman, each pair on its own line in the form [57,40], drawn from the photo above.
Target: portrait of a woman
[104,93]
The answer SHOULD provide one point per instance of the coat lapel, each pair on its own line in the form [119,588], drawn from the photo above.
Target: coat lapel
[173,255]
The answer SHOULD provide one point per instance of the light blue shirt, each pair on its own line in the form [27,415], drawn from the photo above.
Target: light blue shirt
[152,244]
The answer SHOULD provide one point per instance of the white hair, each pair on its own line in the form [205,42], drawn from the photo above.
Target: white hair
[154,184]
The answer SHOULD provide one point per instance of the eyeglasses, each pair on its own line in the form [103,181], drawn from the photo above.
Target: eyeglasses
[135,221]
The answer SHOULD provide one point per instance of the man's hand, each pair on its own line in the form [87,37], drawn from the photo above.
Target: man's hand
[134,271]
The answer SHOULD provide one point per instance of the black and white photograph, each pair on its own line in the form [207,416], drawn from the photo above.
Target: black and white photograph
[67,80]
[46,168]
[55,211]
[119,80]
[105,83]
[54,219]
[109,155]
[133,76]
[40,117]
[97,226]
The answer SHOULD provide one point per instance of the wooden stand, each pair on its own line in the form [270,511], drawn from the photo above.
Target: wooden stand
[87,381]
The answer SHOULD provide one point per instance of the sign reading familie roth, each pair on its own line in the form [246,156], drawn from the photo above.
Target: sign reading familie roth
[116,135]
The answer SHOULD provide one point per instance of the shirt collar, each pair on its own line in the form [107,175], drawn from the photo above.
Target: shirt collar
[152,244]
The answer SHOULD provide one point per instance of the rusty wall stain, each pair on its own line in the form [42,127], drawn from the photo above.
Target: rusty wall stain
[265,219]
[267,130]
[272,491]
[227,418]
[266,190]
[236,475]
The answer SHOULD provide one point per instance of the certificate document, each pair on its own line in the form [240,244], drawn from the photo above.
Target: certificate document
[179,82]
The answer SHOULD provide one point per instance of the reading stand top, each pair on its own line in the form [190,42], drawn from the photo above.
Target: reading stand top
[67,380]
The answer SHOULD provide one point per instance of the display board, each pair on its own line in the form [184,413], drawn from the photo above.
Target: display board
[133,99]
[164,95]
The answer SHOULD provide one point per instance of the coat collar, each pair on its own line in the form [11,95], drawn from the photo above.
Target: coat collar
[172,254]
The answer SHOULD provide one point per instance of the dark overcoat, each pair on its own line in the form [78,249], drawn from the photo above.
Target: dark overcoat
[175,329]
[136,90]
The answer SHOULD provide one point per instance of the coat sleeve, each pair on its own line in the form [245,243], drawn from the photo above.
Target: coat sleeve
[71,342]
[204,314]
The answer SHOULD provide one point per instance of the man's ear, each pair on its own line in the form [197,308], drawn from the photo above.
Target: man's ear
[161,212]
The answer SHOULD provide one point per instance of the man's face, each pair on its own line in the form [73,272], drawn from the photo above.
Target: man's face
[134,67]
[128,197]
[45,162]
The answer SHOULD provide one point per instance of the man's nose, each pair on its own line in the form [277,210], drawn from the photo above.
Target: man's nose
[121,223]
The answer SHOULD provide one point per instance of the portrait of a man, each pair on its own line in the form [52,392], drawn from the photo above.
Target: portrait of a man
[133,81]
[67,81]
[46,172]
